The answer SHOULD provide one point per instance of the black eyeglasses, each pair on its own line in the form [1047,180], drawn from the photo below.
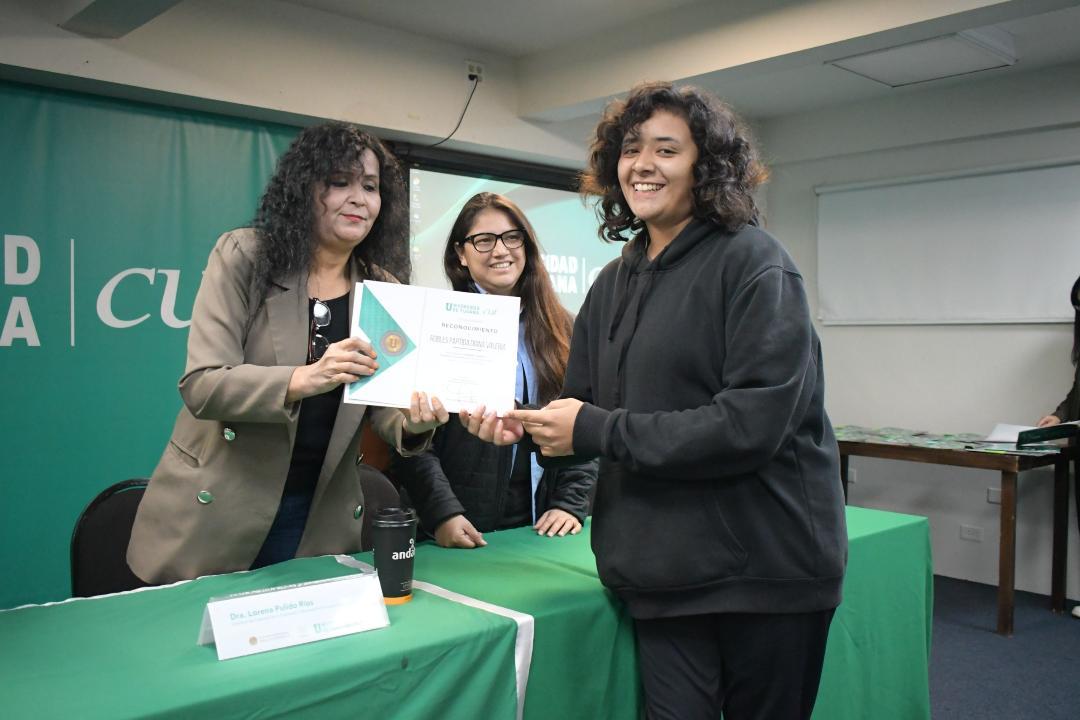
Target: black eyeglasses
[320,318]
[485,242]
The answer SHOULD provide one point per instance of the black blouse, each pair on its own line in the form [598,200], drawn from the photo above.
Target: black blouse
[318,412]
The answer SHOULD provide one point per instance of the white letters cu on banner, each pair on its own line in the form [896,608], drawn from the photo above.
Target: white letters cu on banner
[22,267]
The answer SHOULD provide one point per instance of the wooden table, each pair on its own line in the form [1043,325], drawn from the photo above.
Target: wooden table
[1009,466]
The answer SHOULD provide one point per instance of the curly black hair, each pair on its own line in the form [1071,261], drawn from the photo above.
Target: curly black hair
[726,173]
[285,220]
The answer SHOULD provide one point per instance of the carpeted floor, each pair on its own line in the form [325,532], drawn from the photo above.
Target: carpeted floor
[976,674]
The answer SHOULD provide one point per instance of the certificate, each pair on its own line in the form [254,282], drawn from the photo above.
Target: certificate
[460,347]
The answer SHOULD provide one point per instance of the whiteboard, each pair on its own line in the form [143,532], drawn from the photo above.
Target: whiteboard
[1000,246]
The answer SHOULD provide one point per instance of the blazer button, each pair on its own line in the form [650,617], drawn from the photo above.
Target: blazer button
[360,458]
[228,434]
[205,497]
[358,512]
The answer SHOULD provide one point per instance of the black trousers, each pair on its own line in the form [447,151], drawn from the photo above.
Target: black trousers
[750,666]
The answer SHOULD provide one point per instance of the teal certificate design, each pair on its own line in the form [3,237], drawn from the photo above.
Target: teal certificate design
[459,347]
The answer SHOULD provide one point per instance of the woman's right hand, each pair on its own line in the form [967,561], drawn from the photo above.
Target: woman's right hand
[1049,420]
[490,428]
[343,362]
[458,532]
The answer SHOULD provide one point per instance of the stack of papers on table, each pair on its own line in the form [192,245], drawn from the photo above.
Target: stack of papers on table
[1005,433]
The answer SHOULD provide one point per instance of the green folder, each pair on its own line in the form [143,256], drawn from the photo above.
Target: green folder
[1053,432]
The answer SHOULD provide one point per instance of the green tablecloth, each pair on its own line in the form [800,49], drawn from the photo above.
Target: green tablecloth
[135,655]
[877,659]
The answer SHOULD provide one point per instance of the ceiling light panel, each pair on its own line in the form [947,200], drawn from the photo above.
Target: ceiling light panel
[947,56]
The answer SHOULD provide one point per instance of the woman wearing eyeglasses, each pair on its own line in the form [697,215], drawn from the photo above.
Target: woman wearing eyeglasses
[262,465]
[463,487]
[1069,409]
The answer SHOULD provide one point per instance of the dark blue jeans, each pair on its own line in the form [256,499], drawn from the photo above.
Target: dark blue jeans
[284,536]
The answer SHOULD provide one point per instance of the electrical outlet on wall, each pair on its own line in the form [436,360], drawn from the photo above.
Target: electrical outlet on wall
[473,70]
[851,476]
[971,532]
[993,495]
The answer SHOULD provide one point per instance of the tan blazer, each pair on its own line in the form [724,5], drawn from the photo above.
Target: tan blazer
[217,487]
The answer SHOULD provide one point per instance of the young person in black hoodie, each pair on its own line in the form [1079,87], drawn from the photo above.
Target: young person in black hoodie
[463,487]
[695,376]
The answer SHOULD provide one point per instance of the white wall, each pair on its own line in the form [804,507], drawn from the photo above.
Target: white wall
[938,378]
[266,59]
[276,60]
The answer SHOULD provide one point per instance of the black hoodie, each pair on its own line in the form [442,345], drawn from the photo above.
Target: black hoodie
[719,485]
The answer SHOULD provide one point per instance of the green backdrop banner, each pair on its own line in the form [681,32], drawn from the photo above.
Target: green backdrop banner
[108,212]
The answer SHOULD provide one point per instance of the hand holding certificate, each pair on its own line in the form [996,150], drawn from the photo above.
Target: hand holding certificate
[459,347]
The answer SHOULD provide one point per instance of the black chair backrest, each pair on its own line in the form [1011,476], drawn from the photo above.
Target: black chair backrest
[100,539]
[379,493]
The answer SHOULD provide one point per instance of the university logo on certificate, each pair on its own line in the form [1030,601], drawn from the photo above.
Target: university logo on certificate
[460,347]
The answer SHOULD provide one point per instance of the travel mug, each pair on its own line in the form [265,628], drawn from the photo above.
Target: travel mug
[393,533]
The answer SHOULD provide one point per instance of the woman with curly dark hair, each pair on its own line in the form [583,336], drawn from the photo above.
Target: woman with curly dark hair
[262,464]
[463,487]
[695,376]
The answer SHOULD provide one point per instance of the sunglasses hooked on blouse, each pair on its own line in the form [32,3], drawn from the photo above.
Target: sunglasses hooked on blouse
[317,342]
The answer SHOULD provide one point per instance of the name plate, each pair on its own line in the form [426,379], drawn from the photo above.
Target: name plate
[260,620]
